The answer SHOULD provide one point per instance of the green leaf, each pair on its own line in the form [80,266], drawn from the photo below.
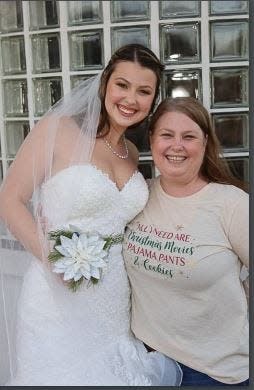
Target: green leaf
[94,280]
[108,242]
[55,234]
[75,284]
[112,240]
[54,256]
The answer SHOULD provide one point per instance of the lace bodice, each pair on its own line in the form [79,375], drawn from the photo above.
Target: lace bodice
[85,335]
[85,196]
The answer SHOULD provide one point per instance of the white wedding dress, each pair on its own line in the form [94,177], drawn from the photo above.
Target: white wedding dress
[84,338]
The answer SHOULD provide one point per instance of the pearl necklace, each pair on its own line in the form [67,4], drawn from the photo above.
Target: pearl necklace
[114,152]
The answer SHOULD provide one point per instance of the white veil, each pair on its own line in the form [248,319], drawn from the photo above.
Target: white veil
[64,136]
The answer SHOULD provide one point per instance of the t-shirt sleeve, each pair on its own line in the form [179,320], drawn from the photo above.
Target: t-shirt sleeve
[239,229]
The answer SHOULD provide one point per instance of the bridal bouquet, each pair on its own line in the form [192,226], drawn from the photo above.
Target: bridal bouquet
[79,255]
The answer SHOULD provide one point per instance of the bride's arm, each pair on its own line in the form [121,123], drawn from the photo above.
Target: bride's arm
[22,178]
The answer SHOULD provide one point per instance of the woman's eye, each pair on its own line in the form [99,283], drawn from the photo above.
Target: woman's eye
[121,85]
[189,136]
[166,135]
[145,92]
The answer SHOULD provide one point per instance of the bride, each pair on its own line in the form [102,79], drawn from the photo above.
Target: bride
[78,174]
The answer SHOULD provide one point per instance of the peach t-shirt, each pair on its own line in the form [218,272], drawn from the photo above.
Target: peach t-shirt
[183,257]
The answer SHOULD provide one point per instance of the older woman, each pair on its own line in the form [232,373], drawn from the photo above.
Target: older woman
[185,250]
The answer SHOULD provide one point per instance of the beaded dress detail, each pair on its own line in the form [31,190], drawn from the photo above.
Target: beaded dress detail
[84,338]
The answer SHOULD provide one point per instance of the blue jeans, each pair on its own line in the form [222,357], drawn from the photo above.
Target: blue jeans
[192,377]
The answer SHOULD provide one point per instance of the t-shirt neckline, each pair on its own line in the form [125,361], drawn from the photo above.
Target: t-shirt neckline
[194,196]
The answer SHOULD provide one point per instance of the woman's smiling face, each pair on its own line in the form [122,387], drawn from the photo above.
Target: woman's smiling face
[178,147]
[130,93]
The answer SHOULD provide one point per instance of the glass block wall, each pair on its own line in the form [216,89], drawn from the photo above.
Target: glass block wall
[47,47]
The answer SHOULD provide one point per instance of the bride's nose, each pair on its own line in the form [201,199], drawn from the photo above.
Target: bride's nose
[130,96]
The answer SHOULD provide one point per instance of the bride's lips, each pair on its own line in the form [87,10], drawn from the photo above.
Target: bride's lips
[126,111]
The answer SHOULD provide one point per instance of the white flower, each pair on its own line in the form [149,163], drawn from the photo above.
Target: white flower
[83,255]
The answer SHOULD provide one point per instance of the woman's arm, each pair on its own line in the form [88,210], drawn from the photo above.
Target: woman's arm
[239,229]
[26,172]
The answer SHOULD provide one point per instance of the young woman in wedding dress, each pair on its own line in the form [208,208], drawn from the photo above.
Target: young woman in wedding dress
[79,172]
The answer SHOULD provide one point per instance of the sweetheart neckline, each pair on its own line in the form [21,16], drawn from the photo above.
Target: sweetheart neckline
[102,173]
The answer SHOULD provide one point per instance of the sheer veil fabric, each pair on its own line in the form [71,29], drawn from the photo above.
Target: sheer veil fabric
[49,334]
[64,137]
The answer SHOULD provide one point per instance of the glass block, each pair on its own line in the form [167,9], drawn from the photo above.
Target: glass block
[229,87]
[129,10]
[15,133]
[9,162]
[47,91]
[139,136]
[77,80]
[147,169]
[43,14]
[229,40]
[46,53]
[15,98]
[13,55]
[82,12]
[3,229]
[239,166]
[182,83]
[221,7]
[11,16]
[180,43]
[179,9]
[1,172]
[232,130]
[86,50]
[124,35]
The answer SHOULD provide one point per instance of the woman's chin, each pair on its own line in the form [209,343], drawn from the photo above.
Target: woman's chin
[173,172]
[174,176]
